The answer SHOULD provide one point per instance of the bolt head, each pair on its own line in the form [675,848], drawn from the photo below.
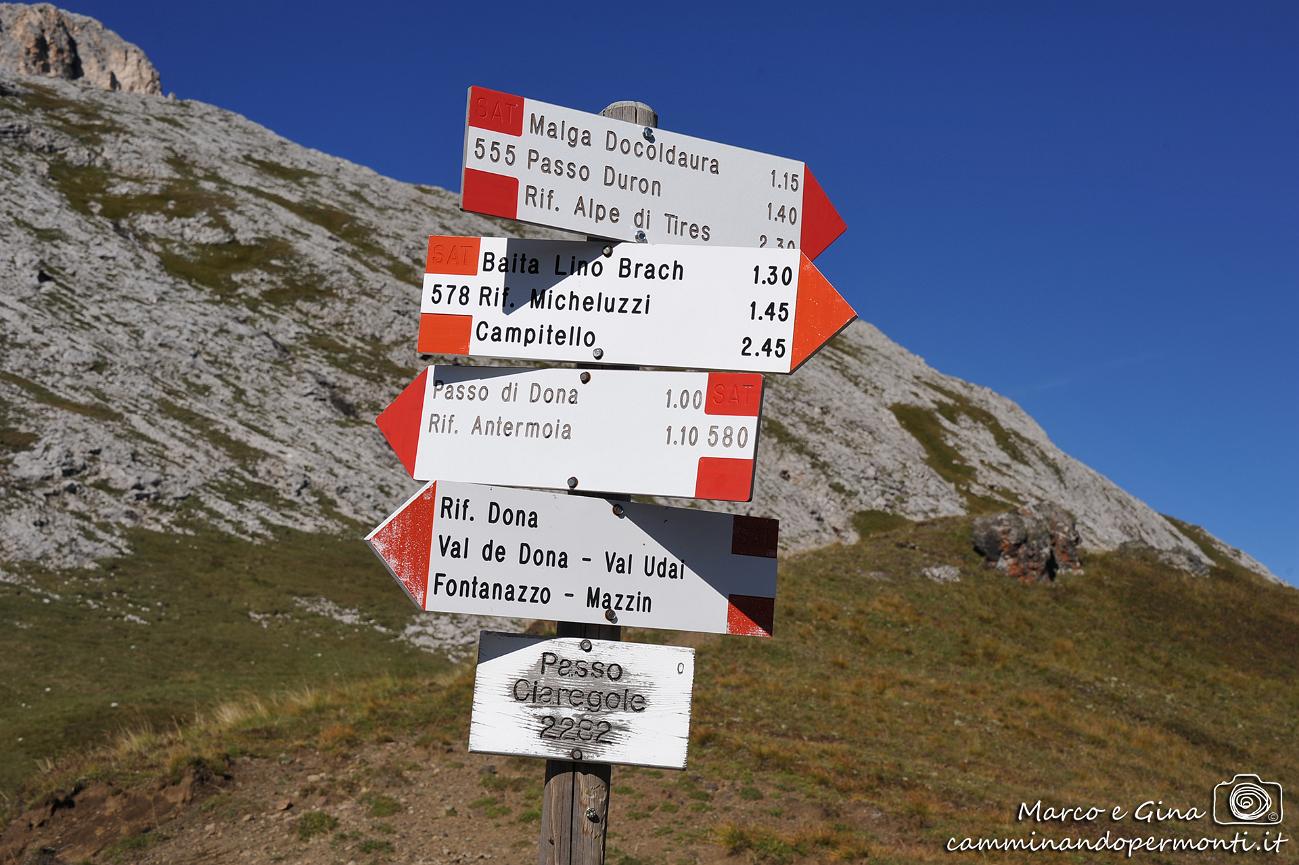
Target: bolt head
[598,353]
[572,483]
[592,815]
[611,615]
[576,753]
[648,132]
[586,645]
[607,251]
[640,236]
[585,377]
[618,511]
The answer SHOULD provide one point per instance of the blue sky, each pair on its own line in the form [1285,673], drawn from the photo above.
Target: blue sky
[1090,207]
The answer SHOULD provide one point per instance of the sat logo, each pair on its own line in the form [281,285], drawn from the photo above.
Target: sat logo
[492,109]
[456,256]
[734,393]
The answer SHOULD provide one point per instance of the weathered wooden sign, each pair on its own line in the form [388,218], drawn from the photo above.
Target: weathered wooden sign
[591,701]
[598,176]
[657,433]
[500,551]
[759,310]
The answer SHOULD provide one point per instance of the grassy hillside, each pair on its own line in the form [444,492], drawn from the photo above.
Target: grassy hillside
[186,622]
[889,713]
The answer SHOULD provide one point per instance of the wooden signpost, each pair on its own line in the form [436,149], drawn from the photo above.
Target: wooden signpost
[584,700]
[604,176]
[736,290]
[757,310]
[657,433]
[500,551]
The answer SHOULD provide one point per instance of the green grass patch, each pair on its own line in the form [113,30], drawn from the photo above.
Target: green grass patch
[86,188]
[346,228]
[238,451]
[129,849]
[958,406]
[924,426]
[42,394]
[82,120]
[490,807]
[379,805]
[315,823]
[872,522]
[286,173]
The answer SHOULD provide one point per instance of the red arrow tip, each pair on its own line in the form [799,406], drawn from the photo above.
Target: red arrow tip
[822,224]
[401,420]
[819,313]
[405,542]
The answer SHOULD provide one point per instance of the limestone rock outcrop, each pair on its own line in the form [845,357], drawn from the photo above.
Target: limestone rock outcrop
[1031,544]
[45,41]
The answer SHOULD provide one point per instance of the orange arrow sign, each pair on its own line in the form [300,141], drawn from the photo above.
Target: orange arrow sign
[696,307]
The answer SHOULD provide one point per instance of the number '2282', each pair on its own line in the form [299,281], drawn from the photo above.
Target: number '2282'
[574,729]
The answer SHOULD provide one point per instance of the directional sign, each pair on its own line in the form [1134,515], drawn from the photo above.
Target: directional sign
[593,701]
[760,310]
[568,169]
[500,551]
[657,433]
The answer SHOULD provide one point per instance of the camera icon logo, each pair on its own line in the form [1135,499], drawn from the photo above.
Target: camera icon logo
[1247,800]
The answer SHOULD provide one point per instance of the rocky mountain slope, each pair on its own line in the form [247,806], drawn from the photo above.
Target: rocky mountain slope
[42,40]
[201,319]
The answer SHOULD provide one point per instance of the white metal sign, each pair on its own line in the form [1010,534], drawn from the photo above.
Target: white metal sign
[582,172]
[759,310]
[501,551]
[690,434]
[593,701]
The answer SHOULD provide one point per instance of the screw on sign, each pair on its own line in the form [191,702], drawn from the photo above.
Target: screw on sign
[668,305]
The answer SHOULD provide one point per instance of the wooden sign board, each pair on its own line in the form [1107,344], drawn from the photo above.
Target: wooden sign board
[594,175]
[690,434]
[718,308]
[591,701]
[501,551]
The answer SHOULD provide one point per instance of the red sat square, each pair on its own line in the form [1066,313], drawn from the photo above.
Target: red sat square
[494,110]
[734,393]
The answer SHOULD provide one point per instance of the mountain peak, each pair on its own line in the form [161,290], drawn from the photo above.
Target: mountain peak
[43,40]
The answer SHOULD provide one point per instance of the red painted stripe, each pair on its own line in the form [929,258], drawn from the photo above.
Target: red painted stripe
[734,393]
[750,615]
[822,224]
[724,478]
[401,420]
[755,536]
[457,256]
[440,333]
[405,543]
[494,110]
[493,194]
[819,313]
